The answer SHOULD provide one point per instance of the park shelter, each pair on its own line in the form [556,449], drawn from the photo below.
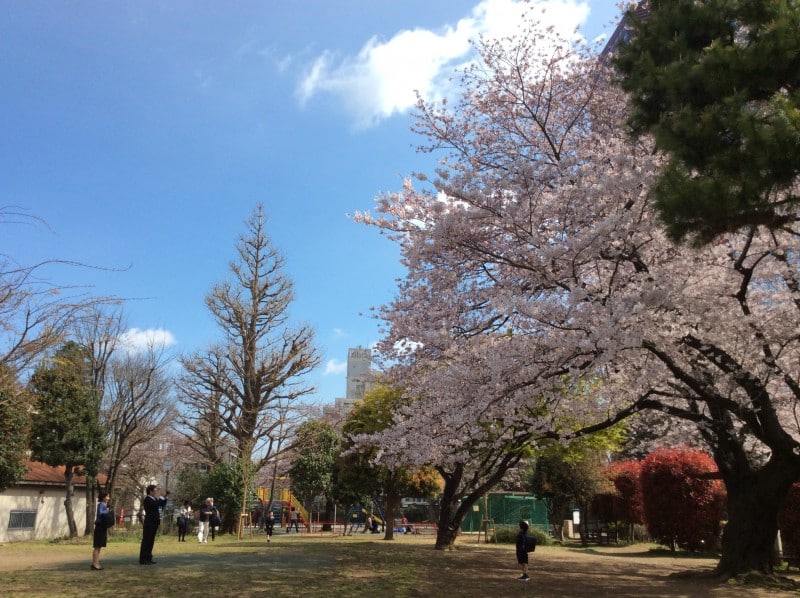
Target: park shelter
[507,508]
[33,508]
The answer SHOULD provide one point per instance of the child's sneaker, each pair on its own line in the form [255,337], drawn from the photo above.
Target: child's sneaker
[524,577]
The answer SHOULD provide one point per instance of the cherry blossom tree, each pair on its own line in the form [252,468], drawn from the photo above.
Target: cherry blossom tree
[535,260]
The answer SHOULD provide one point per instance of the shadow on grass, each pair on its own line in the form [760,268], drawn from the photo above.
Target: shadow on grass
[333,566]
[624,550]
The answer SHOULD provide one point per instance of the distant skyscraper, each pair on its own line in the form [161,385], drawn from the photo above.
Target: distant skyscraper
[623,32]
[359,373]
[360,379]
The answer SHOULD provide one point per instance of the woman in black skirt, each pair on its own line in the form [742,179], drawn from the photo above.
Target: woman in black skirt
[100,530]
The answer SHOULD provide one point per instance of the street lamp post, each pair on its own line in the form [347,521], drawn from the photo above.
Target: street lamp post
[167,467]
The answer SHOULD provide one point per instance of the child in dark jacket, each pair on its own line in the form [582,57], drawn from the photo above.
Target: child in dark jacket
[522,550]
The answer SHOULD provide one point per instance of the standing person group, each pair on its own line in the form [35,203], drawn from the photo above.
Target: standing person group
[208,521]
[100,538]
[152,519]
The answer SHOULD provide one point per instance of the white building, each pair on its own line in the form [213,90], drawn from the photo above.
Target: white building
[33,509]
[360,378]
[359,373]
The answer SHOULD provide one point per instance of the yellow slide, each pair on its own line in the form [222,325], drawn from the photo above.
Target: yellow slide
[287,499]
[290,499]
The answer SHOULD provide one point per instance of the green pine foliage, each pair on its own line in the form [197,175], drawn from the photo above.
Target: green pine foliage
[317,446]
[66,426]
[14,427]
[717,85]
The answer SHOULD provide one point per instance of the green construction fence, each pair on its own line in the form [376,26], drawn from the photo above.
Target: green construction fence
[507,509]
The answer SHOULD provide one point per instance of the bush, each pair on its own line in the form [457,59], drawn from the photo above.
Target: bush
[507,534]
[683,505]
[626,477]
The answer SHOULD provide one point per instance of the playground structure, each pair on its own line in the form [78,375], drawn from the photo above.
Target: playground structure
[281,506]
[357,517]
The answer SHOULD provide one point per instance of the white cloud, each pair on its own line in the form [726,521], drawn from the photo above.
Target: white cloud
[383,78]
[137,341]
[335,366]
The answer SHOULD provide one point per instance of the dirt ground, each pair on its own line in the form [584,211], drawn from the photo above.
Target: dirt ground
[471,570]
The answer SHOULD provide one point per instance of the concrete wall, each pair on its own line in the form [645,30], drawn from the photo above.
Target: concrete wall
[51,516]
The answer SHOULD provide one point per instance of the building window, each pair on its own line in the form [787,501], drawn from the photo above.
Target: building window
[22,519]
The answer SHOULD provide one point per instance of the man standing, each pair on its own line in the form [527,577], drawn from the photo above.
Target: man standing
[293,521]
[208,515]
[152,519]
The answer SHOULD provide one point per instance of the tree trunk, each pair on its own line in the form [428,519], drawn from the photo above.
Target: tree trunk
[392,507]
[91,499]
[329,511]
[754,500]
[457,502]
[584,524]
[558,528]
[454,508]
[69,472]
[446,531]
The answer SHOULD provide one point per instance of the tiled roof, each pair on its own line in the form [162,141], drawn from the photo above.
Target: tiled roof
[41,474]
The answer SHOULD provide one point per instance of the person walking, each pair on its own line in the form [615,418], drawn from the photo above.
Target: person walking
[269,525]
[152,520]
[100,538]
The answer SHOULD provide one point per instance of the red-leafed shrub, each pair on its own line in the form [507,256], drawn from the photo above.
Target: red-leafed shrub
[683,505]
[789,520]
[625,475]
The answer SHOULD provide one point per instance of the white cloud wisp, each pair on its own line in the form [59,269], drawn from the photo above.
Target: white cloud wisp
[135,341]
[385,76]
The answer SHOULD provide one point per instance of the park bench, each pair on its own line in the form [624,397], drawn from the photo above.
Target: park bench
[607,536]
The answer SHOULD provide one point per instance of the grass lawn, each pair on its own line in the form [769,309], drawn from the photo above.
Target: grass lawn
[358,565]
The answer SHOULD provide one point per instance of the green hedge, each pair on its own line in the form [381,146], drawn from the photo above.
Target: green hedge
[507,534]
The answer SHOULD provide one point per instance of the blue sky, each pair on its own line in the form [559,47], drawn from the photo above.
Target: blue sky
[144,133]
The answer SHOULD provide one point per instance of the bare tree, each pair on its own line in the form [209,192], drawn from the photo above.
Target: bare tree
[200,420]
[253,377]
[35,314]
[137,406]
[97,329]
